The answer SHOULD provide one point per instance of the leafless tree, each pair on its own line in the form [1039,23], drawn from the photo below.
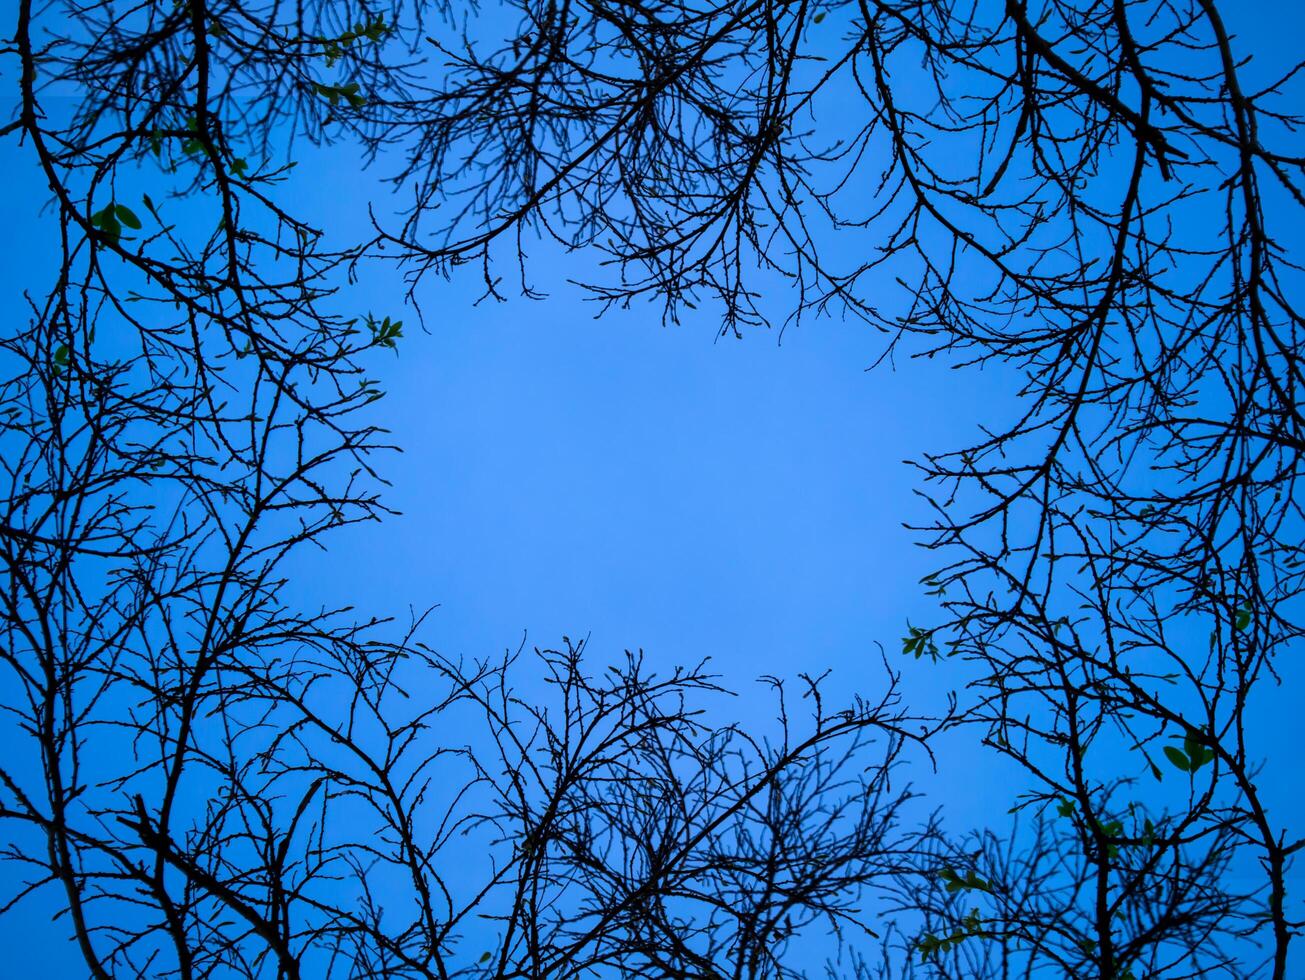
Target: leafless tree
[1100,200]
[213,781]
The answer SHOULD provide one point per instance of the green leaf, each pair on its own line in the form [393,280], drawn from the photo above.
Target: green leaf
[919,642]
[385,332]
[484,957]
[107,223]
[935,587]
[127,216]
[1148,833]
[1242,619]
[1177,757]
[1197,752]
[818,17]
[61,355]
[978,884]
[971,881]
[333,94]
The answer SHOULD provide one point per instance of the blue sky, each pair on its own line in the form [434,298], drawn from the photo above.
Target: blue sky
[651,487]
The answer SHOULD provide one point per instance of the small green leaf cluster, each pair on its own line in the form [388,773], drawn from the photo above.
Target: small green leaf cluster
[193,144]
[384,332]
[334,93]
[930,945]
[971,882]
[373,30]
[935,587]
[1148,833]
[1110,831]
[1192,756]
[919,641]
[110,219]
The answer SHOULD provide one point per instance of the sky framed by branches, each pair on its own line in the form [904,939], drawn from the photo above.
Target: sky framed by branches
[616,304]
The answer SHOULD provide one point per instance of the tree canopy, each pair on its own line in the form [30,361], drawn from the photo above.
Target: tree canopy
[1101,199]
